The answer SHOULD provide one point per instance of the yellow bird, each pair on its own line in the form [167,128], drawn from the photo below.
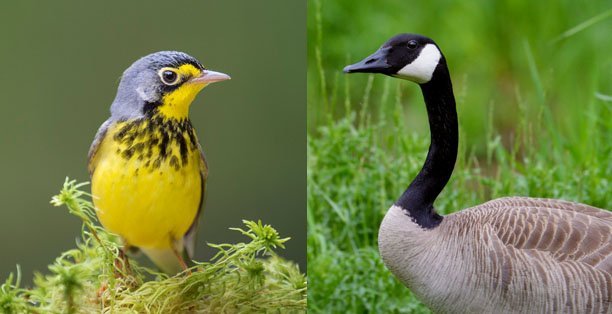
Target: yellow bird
[148,171]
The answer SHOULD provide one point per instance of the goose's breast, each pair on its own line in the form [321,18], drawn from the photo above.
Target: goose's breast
[502,258]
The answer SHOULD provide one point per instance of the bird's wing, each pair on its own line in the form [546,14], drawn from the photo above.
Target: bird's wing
[92,159]
[565,230]
[189,240]
[553,204]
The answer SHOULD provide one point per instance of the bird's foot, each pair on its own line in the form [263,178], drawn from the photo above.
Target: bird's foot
[181,261]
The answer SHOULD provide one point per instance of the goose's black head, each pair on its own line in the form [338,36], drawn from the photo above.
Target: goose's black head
[407,56]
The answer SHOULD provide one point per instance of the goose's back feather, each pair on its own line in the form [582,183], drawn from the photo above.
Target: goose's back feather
[565,230]
[508,255]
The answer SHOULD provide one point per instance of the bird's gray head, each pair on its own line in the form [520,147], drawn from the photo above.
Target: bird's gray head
[407,56]
[165,82]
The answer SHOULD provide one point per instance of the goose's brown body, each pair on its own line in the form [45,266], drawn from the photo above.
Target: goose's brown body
[509,255]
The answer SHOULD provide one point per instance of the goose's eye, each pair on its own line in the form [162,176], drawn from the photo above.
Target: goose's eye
[412,44]
[169,76]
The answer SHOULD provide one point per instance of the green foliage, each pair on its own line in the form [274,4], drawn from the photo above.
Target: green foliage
[525,129]
[10,295]
[241,278]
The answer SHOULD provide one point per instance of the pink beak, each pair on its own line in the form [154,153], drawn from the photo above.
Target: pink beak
[208,77]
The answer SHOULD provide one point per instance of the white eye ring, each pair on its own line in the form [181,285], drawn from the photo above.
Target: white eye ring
[169,76]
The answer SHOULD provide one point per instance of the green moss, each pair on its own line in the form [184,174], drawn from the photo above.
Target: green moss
[241,278]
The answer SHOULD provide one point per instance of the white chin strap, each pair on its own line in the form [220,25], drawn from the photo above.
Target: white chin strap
[422,68]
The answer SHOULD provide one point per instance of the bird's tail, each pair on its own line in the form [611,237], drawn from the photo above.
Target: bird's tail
[165,259]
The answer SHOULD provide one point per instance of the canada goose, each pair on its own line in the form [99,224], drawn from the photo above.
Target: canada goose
[509,255]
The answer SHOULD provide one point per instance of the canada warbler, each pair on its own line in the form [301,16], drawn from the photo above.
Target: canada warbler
[148,171]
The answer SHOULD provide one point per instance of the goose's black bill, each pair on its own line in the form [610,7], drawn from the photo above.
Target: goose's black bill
[375,63]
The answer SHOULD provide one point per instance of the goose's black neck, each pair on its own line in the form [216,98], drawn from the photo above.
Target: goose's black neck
[420,195]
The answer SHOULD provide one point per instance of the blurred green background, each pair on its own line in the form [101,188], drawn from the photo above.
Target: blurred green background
[62,62]
[499,54]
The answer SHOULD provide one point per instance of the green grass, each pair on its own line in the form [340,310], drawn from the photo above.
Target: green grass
[91,278]
[356,170]
[525,129]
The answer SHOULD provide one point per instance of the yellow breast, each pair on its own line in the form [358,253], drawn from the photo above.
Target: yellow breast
[147,182]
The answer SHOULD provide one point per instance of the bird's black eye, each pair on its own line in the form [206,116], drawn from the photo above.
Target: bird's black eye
[412,44]
[169,76]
